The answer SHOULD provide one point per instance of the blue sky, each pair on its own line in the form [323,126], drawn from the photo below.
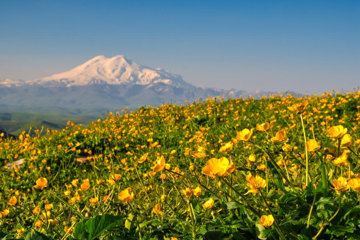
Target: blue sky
[303,46]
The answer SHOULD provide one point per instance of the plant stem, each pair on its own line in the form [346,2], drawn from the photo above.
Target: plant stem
[275,218]
[328,221]
[311,209]
[243,197]
[306,153]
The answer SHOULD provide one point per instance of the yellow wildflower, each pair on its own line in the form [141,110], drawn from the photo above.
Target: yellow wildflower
[12,201]
[312,145]
[279,136]
[125,195]
[337,131]
[346,141]
[208,204]
[266,220]
[159,164]
[264,127]
[41,183]
[244,135]
[217,167]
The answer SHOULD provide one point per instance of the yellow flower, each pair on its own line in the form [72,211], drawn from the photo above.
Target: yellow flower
[254,183]
[208,204]
[48,206]
[266,220]
[125,195]
[36,210]
[93,200]
[279,136]
[197,191]
[12,201]
[143,158]
[4,213]
[192,167]
[264,127]
[159,164]
[340,184]
[342,159]
[337,131]
[39,223]
[99,181]
[163,197]
[198,154]
[187,192]
[286,148]
[299,107]
[346,141]
[53,222]
[252,158]
[261,167]
[226,148]
[218,167]
[75,182]
[41,183]
[157,209]
[354,184]
[85,185]
[312,145]
[244,135]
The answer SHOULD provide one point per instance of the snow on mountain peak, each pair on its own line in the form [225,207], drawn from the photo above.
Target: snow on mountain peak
[115,70]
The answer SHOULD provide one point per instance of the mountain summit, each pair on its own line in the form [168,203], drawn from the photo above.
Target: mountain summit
[115,71]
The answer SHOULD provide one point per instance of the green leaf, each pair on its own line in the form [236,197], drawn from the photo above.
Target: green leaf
[276,176]
[214,235]
[2,236]
[79,230]
[355,209]
[35,235]
[128,221]
[340,230]
[100,223]
[259,231]
[232,205]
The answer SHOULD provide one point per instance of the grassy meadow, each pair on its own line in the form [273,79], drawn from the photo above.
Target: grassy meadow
[280,167]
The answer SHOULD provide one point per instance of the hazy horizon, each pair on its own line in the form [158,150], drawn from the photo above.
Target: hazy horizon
[301,46]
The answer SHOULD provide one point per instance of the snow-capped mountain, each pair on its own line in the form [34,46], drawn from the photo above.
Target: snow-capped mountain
[103,84]
[115,71]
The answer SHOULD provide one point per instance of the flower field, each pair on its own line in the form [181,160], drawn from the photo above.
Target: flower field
[280,167]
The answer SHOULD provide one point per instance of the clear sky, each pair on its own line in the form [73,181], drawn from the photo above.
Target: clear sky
[303,46]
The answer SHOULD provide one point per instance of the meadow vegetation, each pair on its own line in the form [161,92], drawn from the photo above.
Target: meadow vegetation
[280,167]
